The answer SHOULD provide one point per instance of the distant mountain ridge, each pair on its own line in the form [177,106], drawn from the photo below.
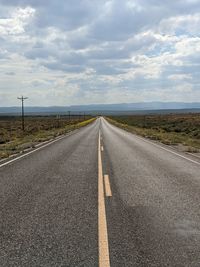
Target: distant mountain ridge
[139,106]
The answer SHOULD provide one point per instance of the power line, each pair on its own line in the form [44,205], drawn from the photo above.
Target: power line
[22,98]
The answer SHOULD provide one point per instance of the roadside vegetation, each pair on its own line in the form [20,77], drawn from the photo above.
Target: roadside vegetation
[37,129]
[171,129]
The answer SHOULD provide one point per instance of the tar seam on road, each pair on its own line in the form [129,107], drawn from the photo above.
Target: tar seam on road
[107,186]
[104,259]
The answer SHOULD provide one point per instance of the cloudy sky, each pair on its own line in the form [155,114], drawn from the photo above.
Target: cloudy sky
[63,52]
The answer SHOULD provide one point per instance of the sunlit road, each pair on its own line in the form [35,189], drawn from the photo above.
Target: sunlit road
[101,197]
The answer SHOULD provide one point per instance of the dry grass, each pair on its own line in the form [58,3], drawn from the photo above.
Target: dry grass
[38,129]
[169,129]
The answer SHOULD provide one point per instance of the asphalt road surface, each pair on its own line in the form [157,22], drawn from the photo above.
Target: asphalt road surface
[100,197]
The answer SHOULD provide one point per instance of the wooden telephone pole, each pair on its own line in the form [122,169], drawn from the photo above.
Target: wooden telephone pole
[22,100]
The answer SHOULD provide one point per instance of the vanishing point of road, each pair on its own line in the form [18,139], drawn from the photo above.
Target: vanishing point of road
[100,196]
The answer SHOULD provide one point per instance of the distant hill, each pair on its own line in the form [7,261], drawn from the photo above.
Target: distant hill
[139,107]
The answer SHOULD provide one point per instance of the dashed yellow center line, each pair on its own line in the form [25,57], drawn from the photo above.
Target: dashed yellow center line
[104,258]
[107,186]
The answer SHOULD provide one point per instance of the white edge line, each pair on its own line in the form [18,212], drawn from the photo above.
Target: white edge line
[47,143]
[34,150]
[159,146]
[168,150]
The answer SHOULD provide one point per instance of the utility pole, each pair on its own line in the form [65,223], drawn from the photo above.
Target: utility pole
[22,98]
[69,115]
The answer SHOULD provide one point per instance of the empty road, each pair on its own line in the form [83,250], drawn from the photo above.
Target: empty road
[100,197]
